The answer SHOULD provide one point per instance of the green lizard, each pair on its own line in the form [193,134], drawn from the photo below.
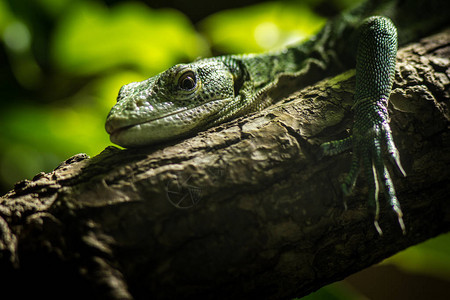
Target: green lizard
[189,98]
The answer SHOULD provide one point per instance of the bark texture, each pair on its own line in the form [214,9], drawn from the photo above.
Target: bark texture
[244,210]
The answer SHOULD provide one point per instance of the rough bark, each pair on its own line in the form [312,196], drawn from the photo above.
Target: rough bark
[243,210]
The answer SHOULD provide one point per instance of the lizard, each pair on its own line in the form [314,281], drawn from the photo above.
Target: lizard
[188,98]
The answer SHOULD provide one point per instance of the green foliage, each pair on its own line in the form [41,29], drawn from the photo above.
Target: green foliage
[430,258]
[261,27]
[92,38]
[335,291]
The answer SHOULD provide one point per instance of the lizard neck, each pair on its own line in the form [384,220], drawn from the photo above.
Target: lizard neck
[274,75]
[260,79]
[266,68]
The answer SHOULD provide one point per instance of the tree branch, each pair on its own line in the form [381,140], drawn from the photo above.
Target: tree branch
[243,210]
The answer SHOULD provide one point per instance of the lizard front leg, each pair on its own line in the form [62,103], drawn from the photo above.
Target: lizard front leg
[375,67]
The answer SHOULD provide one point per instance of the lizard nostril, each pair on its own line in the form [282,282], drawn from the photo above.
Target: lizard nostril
[142,102]
[143,105]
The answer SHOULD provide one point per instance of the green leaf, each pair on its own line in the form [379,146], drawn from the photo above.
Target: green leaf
[261,27]
[431,257]
[92,38]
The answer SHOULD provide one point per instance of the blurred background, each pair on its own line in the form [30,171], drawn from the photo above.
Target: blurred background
[62,63]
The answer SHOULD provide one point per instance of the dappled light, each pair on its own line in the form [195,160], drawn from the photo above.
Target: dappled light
[262,27]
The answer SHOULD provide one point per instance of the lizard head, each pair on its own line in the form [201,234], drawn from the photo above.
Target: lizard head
[180,101]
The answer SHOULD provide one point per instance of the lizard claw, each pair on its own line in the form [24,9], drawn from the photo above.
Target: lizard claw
[367,155]
[336,147]
[375,67]
[394,155]
[377,227]
[377,173]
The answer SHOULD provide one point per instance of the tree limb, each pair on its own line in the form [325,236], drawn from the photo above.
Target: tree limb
[243,210]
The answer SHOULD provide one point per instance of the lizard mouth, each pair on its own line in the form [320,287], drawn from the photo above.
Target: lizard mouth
[126,132]
[117,130]
[115,125]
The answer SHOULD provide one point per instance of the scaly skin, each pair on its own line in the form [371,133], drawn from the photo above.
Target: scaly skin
[374,77]
[189,98]
[217,89]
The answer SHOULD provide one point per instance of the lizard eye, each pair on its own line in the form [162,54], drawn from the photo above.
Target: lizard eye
[187,81]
